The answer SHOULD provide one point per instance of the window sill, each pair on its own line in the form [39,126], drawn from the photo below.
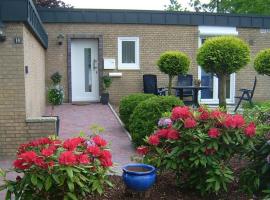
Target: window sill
[128,68]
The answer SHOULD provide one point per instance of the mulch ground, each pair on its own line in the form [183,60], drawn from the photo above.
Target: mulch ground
[165,189]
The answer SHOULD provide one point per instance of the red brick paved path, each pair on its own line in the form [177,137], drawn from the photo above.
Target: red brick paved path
[76,118]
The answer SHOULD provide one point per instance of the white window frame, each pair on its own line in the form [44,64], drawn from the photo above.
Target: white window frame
[205,31]
[129,66]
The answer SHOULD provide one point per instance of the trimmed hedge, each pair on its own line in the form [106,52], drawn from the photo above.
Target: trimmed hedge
[145,117]
[129,103]
[262,62]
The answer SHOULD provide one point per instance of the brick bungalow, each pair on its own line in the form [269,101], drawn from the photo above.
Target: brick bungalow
[85,44]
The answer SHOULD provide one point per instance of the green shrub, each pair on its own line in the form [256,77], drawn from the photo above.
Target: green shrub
[223,56]
[198,146]
[145,117]
[262,62]
[129,103]
[173,63]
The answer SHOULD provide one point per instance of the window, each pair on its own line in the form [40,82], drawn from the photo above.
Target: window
[128,53]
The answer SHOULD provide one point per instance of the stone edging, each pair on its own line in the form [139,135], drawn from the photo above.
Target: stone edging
[120,121]
[41,119]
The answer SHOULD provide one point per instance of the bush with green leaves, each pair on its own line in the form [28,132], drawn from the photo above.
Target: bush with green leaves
[173,63]
[223,56]
[144,119]
[262,62]
[198,146]
[49,168]
[129,103]
[255,176]
[56,78]
[107,81]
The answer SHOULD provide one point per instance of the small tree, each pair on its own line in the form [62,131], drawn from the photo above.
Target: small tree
[223,56]
[173,63]
[262,62]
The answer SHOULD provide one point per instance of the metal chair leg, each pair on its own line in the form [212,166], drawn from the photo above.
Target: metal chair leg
[238,104]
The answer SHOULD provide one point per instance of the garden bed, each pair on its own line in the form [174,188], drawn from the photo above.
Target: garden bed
[165,188]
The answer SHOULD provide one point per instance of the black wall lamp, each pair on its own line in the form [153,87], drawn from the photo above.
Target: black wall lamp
[60,39]
[2,32]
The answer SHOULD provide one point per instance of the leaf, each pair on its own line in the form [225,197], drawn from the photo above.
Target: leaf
[56,178]
[69,172]
[217,186]
[34,179]
[8,195]
[2,173]
[48,183]
[72,196]
[70,186]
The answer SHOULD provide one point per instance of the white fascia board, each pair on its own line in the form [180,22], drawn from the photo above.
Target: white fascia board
[217,30]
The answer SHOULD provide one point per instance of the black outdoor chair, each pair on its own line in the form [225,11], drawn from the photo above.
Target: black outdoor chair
[185,80]
[150,85]
[247,95]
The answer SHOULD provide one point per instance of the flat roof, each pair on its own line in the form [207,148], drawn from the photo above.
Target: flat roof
[106,16]
[24,11]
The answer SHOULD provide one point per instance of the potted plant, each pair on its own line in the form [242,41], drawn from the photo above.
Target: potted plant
[56,95]
[107,81]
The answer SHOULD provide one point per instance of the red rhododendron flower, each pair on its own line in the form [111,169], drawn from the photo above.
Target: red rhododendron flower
[71,144]
[83,159]
[99,141]
[173,134]
[153,140]
[213,133]
[250,130]
[216,114]
[106,158]
[67,158]
[236,121]
[28,156]
[94,150]
[47,152]
[204,115]
[20,164]
[190,123]
[162,133]
[180,113]
[41,141]
[209,151]
[40,162]
[142,150]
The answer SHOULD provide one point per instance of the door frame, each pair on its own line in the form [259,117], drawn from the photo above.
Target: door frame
[205,31]
[99,38]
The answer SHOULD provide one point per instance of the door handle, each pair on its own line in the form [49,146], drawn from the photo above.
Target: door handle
[95,64]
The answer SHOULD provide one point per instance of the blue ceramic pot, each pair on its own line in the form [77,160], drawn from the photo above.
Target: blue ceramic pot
[139,177]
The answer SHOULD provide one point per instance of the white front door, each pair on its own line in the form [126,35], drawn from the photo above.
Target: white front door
[84,70]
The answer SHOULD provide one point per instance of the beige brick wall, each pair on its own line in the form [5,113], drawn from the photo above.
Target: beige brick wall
[153,41]
[34,58]
[245,78]
[14,129]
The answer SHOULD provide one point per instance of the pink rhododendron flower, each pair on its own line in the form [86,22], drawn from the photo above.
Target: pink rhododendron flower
[173,134]
[180,113]
[213,133]
[153,140]
[190,123]
[142,150]
[250,130]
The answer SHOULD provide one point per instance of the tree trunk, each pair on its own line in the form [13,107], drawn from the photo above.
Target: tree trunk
[170,85]
[222,91]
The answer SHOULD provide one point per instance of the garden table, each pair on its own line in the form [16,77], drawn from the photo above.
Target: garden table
[195,89]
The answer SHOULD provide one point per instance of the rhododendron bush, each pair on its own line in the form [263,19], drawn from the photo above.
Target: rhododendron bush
[197,145]
[53,169]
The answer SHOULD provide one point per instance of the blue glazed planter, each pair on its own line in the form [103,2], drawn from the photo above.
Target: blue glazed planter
[139,177]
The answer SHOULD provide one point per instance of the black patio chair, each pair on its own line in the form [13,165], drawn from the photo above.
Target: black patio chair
[185,80]
[247,95]
[150,85]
